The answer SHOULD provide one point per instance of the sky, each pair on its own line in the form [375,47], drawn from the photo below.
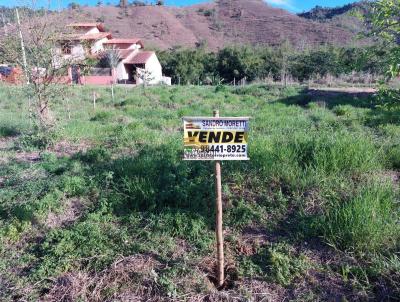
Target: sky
[294,6]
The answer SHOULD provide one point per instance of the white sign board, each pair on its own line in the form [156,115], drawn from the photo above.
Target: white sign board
[215,138]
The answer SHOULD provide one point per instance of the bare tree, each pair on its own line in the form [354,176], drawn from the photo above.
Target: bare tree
[145,76]
[44,66]
[113,57]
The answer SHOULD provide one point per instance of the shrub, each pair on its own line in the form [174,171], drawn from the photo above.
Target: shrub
[74,185]
[95,155]
[102,116]
[6,131]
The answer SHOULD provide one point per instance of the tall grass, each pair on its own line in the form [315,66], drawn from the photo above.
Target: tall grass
[366,223]
[315,173]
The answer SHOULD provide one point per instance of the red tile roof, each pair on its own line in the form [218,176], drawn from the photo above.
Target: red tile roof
[100,26]
[123,41]
[97,36]
[140,58]
[124,53]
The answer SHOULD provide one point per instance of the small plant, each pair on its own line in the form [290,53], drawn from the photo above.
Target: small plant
[37,139]
[278,263]
[342,110]
[101,116]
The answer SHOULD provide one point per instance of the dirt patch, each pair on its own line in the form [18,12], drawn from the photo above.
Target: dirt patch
[60,149]
[127,279]
[335,90]
[6,143]
[72,210]
[181,248]
[65,148]
[252,238]
[394,176]
[27,157]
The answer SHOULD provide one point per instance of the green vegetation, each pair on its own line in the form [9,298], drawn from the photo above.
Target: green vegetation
[277,64]
[110,210]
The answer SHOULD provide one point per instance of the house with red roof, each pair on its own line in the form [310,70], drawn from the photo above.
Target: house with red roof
[92,40]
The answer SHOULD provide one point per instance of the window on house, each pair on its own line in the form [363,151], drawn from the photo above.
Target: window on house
[66,48]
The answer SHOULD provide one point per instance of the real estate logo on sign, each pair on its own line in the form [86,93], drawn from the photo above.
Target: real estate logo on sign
[215,138]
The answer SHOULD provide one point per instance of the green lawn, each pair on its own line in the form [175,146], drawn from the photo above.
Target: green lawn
[110,212]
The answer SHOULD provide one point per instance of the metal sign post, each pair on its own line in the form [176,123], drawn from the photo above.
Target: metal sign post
[216,138]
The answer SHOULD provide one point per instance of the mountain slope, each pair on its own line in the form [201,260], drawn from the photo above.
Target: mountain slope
[216,24]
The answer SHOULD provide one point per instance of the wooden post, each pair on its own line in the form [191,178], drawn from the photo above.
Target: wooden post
[218,224]
[22,47]
[94,100]
[4,24]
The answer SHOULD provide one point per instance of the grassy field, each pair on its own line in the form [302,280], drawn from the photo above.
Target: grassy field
[110,212]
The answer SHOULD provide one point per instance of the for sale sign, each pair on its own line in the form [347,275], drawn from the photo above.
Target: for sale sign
[215,138]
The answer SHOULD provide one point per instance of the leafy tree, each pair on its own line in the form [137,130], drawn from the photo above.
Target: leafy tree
[187,66]
[238,62]
[73,5]
[280,63]
[386,25]
[138,3]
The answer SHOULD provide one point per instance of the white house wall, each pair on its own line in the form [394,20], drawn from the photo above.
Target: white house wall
[77,54]
[121,72]
[98,45]
[77,51]
[153,66]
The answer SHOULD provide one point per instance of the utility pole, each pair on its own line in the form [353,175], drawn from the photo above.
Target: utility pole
[22,47]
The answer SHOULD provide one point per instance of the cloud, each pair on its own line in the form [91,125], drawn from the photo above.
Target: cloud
[282,3]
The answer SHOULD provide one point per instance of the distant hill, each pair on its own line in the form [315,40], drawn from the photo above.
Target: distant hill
[216,24]
[343,16]
[320,13]
[7,14]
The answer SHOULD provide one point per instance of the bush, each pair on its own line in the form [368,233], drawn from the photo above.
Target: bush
[101,116]
[6,131]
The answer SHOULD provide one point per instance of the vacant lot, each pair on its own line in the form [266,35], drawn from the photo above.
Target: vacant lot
[110,212]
